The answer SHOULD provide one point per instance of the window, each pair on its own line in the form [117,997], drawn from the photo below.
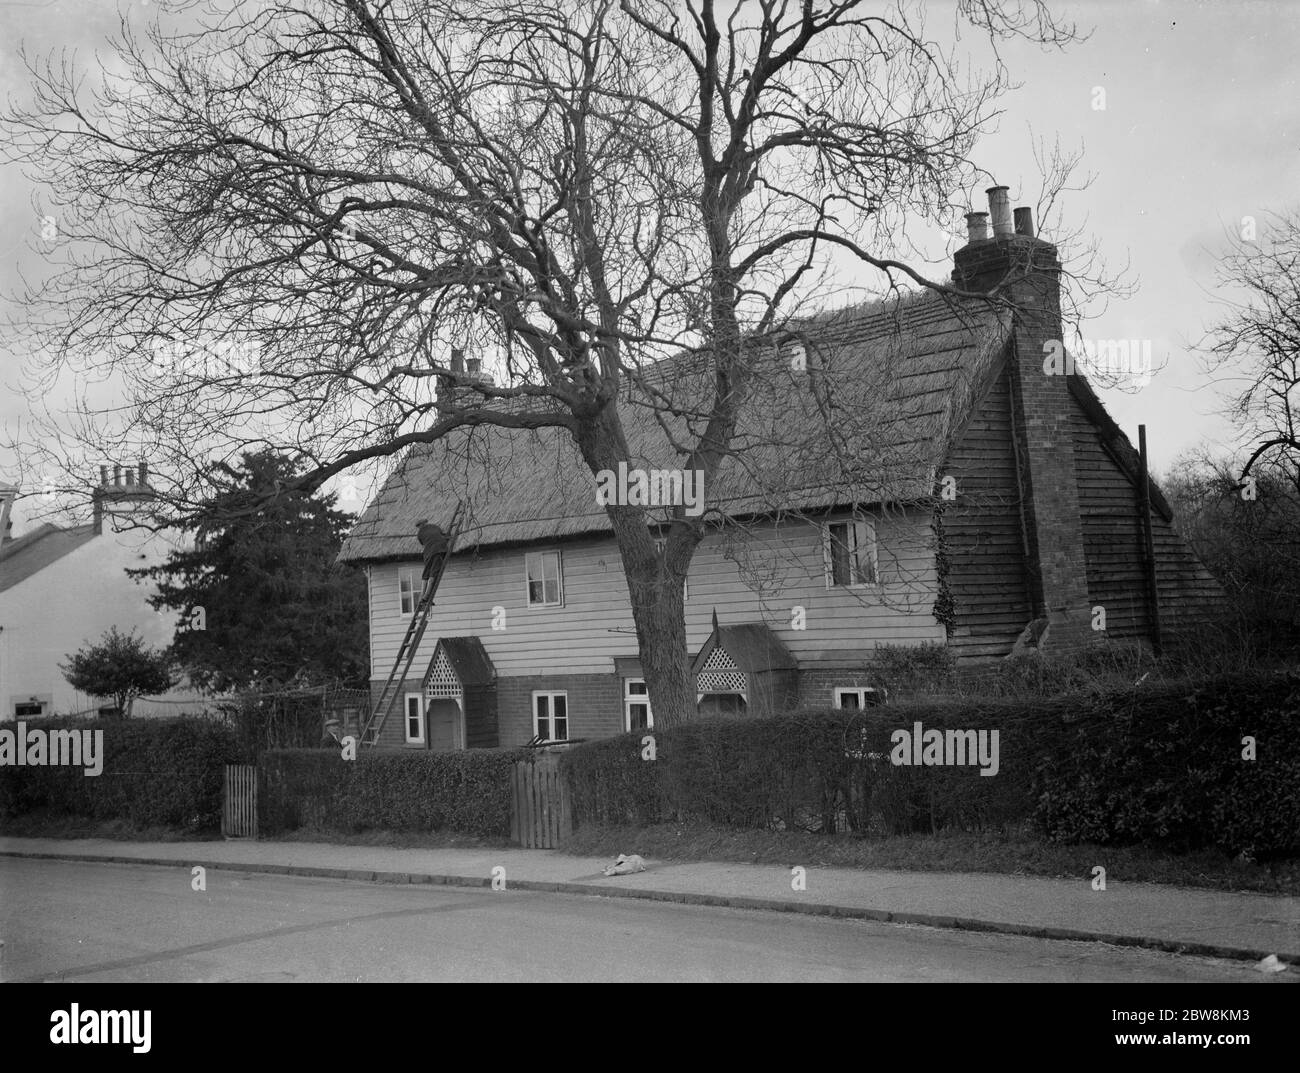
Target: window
[414,719]
[551,716]
[857,697]
[636,705]
[545,584]
[686,584]
[850,552]
[408,588]
[32,708]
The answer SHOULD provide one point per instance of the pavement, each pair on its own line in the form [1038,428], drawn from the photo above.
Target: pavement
[1172,919]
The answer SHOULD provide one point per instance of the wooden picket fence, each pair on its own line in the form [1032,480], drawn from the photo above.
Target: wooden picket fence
[541,813]
[239,803]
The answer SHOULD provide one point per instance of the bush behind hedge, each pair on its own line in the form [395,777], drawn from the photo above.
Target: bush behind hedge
[156,773]
[417,790]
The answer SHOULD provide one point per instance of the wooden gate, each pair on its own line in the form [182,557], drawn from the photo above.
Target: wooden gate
[540,813]
[239,804]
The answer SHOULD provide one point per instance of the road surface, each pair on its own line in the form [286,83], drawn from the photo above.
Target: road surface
[64,920]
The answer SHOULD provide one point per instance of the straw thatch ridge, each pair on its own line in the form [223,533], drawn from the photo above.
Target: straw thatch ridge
[887,386]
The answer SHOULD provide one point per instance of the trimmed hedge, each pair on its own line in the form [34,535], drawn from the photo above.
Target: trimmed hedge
[156,773]
[465,792]
[1160,765]
[1168,767]
[813,770]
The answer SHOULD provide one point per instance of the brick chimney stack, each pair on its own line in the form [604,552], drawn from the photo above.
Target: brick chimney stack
[1024,270]
[8,493]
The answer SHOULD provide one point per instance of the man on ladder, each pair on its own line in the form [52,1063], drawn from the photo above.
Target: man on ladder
[434,542]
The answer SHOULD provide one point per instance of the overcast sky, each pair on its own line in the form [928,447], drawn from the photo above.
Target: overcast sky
[1201,128]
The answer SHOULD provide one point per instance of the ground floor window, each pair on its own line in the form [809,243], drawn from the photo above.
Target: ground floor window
[551,715]
[28,709]
[857,697]
[414,719]
[636,705]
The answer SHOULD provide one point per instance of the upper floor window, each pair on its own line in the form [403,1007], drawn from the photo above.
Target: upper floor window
[850,553]
[545,579]
[408,588]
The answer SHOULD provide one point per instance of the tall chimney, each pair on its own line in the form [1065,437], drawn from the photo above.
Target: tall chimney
[144,474]
[1000,211]
[457,360]
[117,476]
[8,492]
[977,227]
[103,476]
[1023,271]
[130,476]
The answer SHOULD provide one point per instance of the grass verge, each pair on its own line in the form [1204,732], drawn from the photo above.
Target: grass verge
[1013,853]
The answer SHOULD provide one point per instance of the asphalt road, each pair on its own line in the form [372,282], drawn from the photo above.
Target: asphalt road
[102,922]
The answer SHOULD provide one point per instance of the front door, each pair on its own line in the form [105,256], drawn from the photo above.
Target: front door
[444,726]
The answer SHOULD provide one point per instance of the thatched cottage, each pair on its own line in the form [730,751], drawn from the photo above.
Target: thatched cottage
[907,472]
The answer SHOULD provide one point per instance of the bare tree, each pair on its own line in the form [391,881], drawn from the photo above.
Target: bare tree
[1255,345]
[279,222]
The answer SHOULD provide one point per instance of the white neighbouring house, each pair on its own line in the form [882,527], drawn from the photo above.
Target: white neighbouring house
[61,588]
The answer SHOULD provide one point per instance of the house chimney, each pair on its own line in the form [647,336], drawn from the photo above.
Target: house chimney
[144,474]
[103,476]
[457,360]
[130,477]
[1023,271]
[977,227]
[8,493]
[474,366]
[117,476]
[1000,211]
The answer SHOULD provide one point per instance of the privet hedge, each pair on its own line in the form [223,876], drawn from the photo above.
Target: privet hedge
[1161,765]
[1169,767]
[816,770]
[465,792]
[156,773]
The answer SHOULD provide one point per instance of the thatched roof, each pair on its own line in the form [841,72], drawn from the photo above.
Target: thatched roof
[887,387]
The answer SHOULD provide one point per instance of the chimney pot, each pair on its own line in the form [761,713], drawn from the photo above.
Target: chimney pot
[1000,211]
[1025,221]
[977,227]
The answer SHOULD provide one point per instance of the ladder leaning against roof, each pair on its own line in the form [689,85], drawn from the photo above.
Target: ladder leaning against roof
[411,642]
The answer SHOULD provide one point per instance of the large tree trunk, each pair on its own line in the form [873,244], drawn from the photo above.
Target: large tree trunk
[655,581]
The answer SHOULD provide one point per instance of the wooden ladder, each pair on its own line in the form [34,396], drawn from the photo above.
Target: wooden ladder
[410,643]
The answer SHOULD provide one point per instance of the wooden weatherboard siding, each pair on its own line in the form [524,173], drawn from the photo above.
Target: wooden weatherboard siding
[758,575]
[1112,525]
[984,530]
